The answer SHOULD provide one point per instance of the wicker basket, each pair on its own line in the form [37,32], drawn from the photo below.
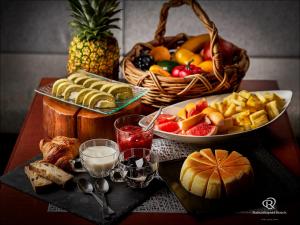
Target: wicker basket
[167,90]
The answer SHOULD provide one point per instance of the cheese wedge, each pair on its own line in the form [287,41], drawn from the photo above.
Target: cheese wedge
[213,175]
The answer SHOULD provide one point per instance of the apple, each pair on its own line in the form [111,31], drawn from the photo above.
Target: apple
[227,48]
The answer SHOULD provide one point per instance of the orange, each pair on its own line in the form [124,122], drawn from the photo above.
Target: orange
[182,113]
[160,53]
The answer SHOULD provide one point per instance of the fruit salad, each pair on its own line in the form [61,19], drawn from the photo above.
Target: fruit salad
[238,112]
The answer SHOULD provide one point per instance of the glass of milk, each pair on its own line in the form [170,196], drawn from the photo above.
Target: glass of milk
[99,156]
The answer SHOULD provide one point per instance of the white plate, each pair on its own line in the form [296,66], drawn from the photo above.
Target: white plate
[173,109]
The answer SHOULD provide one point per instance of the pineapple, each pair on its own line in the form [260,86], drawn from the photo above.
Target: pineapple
[93,47]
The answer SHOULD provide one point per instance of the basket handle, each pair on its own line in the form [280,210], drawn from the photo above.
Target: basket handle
[209,25]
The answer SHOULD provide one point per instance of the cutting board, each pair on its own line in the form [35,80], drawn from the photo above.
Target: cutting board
[63,119]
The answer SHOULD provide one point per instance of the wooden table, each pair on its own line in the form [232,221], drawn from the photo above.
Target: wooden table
[19,208]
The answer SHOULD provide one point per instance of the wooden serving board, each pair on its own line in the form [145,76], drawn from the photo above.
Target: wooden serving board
[71,121]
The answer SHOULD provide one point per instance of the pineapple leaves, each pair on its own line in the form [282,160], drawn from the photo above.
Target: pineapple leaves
[93,19]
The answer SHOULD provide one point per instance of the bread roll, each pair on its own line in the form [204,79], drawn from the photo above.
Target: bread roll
[213,175]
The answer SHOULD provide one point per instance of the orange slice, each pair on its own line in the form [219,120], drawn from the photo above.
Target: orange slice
[189,122]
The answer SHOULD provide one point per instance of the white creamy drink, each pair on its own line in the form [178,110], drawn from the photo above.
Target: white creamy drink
[98,160]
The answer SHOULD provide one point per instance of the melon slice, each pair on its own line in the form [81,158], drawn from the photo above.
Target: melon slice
[193,164]
[200,182]
[220,155]
[201,159]
[232,156]
[214,186]
[237,179]
[237,162]
[209,155]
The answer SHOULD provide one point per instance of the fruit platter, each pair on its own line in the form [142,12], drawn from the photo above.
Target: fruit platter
[93,92]
[220,117]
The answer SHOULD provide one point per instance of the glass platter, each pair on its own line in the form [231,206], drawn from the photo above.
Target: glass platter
[138,92]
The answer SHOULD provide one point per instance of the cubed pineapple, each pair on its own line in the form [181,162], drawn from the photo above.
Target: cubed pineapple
[240,98]
[272,109]
[253,101]
[245,94]
[235,129]
[220,107]
[238,103]
[213,105]
[258,118]
[230,110]
[240,109]
[261,98]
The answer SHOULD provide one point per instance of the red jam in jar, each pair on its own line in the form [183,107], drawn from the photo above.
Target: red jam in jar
[131,136]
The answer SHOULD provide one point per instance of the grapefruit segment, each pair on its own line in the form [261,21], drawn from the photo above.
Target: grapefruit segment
[202,129]
[163,118]
[170,126]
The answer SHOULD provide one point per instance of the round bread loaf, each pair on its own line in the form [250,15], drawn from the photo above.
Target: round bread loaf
[215,175]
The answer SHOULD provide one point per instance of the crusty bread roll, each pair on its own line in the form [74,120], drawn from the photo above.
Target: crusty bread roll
[214,175]
[59,151]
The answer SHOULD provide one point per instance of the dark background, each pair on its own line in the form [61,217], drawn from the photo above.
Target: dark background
[34,38]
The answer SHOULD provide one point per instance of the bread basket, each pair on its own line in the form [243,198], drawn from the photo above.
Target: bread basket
[167,90]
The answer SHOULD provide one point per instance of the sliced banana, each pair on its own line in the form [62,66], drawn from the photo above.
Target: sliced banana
[89,82]
[71,92]
[99,84]
[121,91]
[81,94]
[80,80]
[74,76]
[55,85]
[102,104]
[107,86]
[61,88]
[88,96]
